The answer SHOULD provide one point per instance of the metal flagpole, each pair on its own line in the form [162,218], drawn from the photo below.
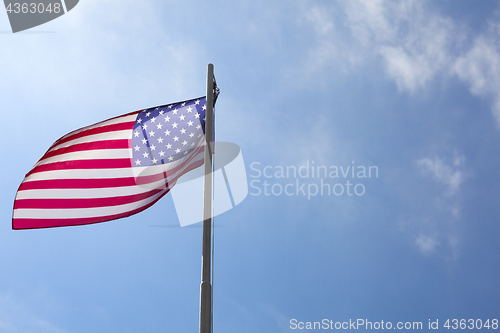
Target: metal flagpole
[206,287]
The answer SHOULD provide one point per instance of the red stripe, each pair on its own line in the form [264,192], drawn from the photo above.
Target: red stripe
[83,164]
[83,203]
[103,129]
[106,144]
[88,183]
[50,223]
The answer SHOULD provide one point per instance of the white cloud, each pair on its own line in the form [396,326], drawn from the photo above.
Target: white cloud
[450,175]
[480,67]
[439,234]
[414,43]
[426,244]
[320,19]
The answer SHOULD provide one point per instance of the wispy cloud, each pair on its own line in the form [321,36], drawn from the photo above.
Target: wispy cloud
[18,317]
[441,230]
[480,67]
[426,244]
[414,44]
[280,319]
[450,175]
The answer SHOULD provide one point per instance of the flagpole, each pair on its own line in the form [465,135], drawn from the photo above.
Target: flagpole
[206,287]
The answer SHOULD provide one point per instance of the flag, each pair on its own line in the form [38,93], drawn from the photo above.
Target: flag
[112,169]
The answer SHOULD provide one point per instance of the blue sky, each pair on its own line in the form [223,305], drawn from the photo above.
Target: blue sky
[410,87]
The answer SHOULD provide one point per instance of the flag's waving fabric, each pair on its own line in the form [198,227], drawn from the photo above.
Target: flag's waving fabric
[112,169]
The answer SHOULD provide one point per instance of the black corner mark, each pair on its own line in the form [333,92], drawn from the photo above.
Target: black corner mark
[26,14]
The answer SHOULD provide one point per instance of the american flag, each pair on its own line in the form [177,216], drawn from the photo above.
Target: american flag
[112,169]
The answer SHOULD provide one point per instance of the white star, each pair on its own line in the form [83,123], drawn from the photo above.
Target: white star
[161,113]
[153,119]
[167,132]
[167,118]
[174,111]
[185,153]
[159,126]
[198,127]
[170,158]
[162,153]
[178,150]
[144,141]
[189,109]
[147,114]
[145,154]
[192,144]
[184,142]
[170,106]
[153,147]
[137,162]
[154,161]
[145,126]
[174,125]
[136,134]
[197,102]
[205,119]
[176,138]
[183,131]
[151,133]
[204,107]
[197,116]
[191,135]
[169,146]
[160,140]
[139,120]
[181,117]
[190,123]
[137,148]
[199,135]
[183,104]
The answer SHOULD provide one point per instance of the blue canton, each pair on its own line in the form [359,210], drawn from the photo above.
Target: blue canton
[167,133]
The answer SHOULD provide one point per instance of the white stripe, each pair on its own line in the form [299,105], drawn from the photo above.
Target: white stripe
[116,135]
[88,155]
[81,212]
[81,174]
